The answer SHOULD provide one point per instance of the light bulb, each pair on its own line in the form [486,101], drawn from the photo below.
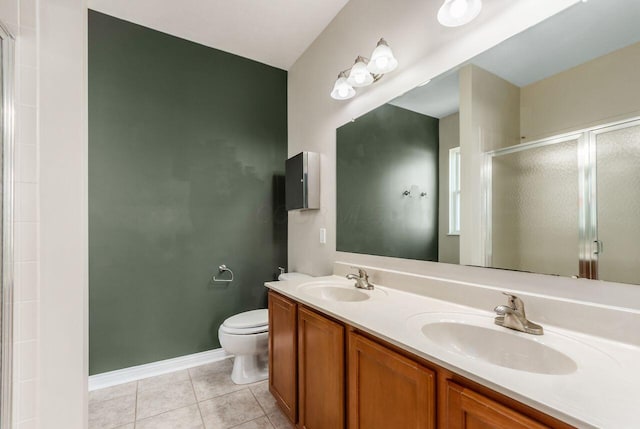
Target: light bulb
[382,59]
[458,8]
[359,75]
[341,89]
[382,62]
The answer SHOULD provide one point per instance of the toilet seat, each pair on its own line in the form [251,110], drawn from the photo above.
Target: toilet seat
[247,323]
[247,331]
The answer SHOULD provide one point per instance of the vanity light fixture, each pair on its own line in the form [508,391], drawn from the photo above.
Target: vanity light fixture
[455,13]
[364,71]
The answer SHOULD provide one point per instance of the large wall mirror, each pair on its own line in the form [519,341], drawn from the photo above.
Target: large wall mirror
[526,157]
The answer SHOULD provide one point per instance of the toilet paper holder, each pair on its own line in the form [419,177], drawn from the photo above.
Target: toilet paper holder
[222,269]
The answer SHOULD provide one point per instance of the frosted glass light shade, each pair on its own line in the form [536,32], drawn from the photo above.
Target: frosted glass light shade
[342,90]
[359,76]
[455,13]
[382,59]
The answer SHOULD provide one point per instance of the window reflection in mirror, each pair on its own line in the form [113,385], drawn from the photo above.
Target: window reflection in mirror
[545,178]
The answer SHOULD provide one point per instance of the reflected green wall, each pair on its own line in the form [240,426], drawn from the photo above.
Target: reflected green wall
[380,155]
[186,161]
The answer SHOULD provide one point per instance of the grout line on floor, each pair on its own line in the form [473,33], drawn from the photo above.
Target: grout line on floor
[274,425]
[135,409]
[264,412]
[253,420]
[196,396]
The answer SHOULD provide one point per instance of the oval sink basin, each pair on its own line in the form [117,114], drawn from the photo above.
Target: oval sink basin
[338,292]
[333,293]
[476,337]
[500,348]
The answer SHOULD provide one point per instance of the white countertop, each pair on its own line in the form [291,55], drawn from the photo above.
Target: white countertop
[604,391]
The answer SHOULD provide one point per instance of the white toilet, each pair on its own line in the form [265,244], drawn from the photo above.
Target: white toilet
[246,335]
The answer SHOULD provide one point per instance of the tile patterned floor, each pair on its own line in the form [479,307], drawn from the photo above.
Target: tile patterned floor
[201,397]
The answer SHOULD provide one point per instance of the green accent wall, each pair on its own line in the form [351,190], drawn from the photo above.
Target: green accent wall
[187,147]
[379,156]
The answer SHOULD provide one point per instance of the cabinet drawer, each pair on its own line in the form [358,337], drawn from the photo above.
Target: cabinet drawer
[468,409]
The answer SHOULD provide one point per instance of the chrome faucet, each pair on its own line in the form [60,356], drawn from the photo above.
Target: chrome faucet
[512,316]
[362,279]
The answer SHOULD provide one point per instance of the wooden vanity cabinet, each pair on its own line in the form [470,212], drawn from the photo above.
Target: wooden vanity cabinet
[387,390]
[468,409]
[327,375]
[321,368]
[283,353]
[306,364]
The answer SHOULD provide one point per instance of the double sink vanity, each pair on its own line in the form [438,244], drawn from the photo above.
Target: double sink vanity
[514,172]
[347,356]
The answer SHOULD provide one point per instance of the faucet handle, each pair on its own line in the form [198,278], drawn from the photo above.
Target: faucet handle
[361,272]
[515,302]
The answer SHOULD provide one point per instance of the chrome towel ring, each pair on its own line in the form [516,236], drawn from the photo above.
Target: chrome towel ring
[221,269]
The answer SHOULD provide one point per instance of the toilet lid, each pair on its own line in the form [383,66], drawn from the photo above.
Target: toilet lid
[248,319]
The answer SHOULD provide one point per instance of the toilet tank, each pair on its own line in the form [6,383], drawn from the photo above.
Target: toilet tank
[293,276]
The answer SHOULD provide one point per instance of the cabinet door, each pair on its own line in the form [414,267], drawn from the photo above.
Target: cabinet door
[321,372]
[283,353]
[387,390]
[470,410]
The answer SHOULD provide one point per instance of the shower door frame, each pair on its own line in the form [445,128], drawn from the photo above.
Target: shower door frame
[594,245]
[588,244]
[7,45]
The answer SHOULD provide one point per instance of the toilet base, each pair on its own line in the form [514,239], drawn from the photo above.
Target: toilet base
[249,369]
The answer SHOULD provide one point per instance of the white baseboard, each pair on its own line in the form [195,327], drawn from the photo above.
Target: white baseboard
[125,375]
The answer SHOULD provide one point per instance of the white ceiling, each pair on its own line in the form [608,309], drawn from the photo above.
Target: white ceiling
[583,32]
[573,37]
[274,32]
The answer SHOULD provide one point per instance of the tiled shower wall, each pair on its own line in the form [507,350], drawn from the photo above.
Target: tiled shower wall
[21,18]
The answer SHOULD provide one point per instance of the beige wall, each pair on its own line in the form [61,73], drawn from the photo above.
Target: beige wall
[50,307]
[600,91]
[424,50]
[448,245]
[489,120]
[63,214]
[50,355]
[20,17]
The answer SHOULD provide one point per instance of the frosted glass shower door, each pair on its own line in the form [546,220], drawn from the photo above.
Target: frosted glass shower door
[535,208]
[617,151]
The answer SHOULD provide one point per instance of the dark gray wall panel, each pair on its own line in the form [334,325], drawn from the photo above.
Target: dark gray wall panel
[187,146]
[380,155]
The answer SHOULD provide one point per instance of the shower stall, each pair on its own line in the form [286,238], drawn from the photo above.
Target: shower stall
[567,205]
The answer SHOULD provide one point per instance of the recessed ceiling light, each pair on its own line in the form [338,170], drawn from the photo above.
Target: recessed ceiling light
[455,13]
